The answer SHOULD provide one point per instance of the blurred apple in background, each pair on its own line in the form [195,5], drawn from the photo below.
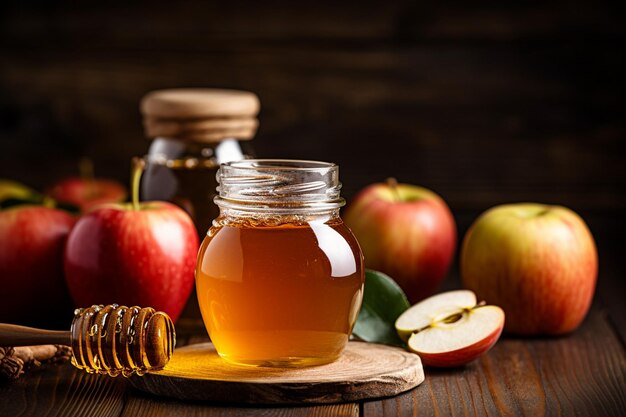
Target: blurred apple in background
[538,262]
[31,266]
[13,190]
[405,231]
[133,254]
[87,193]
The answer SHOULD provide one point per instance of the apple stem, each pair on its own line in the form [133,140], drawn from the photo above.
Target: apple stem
[49,202]
[393,184]
[85,168]
[138,165]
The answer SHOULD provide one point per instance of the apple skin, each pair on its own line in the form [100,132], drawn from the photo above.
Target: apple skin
[405,231]
[461,356]
[142,257]
[87,193]
[31,266]
[537,262]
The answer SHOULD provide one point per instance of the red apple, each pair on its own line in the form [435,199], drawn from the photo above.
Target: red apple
[87,193]
[405,231]
[538,262]
[450,329]
[31,265]
[133,255]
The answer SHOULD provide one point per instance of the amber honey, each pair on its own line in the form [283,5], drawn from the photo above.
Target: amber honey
[279,294]
[113,340]
[189,180]
[191,187]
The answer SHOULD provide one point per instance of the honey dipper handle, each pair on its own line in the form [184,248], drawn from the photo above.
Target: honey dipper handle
[13,335]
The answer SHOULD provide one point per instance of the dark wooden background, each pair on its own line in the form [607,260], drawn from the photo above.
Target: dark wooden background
[485,102]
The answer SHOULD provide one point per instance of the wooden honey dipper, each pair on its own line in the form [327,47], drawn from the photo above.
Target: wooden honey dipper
[108,339]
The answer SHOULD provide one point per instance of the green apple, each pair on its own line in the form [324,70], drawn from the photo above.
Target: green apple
[13,191]
[538,262]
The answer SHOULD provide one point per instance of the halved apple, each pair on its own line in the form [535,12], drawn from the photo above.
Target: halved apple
[450,329]
[432,310]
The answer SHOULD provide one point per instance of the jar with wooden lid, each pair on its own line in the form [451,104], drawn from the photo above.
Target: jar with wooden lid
[193,131]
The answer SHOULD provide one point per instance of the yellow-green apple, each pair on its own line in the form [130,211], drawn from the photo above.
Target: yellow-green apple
[538,262]
[87,193]
[133,254]
[450,329]
[13,190]
[31,265]
[405,231]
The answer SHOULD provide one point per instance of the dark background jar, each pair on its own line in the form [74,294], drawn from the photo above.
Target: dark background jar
[194,131]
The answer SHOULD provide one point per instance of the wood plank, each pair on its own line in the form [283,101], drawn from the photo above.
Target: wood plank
[469,121]
[582,374]
[348,20]
[62,390]
[138,406]
[609,232]
[528,109]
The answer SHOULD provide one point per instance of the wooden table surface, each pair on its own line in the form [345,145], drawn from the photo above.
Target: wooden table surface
[581,374]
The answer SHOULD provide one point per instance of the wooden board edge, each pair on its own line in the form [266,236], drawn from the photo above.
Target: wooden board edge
[273,393]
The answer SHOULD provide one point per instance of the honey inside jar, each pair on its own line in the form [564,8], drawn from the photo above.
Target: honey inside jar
[278,288]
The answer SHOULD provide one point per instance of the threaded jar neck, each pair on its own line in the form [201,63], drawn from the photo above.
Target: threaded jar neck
[279,186]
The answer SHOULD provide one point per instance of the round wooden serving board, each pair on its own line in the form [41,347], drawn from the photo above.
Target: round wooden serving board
[365,370]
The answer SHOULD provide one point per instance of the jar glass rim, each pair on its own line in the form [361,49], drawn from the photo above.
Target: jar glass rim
[281,164]
[279,185]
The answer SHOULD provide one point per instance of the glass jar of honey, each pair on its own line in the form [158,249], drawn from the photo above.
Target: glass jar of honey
[193,131]
[279,277]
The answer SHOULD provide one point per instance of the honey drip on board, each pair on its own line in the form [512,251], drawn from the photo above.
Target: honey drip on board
[116,340]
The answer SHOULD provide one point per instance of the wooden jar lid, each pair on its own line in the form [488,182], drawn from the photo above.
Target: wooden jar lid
[204,115]
[191,103]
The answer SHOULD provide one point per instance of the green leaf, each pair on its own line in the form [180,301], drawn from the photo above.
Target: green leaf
[383,302]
